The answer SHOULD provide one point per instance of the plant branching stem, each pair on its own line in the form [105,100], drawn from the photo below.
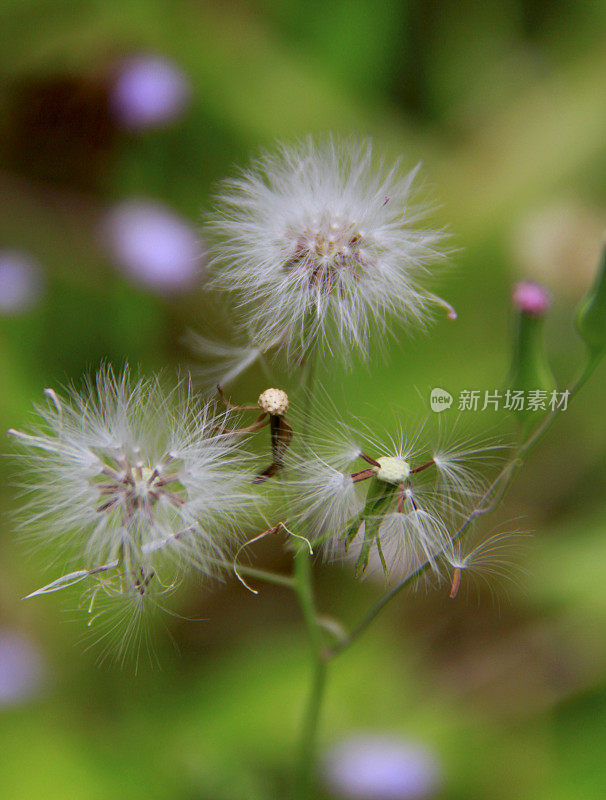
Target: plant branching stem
[302,583]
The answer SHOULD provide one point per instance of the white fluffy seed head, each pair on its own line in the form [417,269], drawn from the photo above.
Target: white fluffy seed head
[274,401]
[127,472]
[322,244]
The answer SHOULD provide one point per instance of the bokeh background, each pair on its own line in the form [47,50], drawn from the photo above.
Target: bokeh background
[116,119]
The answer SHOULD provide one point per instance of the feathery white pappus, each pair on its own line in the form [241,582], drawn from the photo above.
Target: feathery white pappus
[133,483]
[407,495]
[322,244]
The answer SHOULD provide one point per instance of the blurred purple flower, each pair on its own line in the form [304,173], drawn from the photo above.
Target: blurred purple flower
[21,668]
[152,245]
[20,282]
[530,297]
[148,91]
[371,767]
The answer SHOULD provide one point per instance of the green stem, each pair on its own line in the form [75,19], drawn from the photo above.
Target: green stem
[374,611]
[304,589]
[306,752]
[268,576]
[309,732]
[307,745]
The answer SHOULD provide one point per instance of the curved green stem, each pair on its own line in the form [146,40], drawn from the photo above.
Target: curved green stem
[359,629]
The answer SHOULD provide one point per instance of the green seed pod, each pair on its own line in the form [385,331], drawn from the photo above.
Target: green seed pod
[591,312]
[530,371]
[380,496]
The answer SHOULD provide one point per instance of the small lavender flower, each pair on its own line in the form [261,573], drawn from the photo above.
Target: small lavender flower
[148,91]
[134,485]
[152,245]
[21,668]
[20,282]
[323,244]
[381,767]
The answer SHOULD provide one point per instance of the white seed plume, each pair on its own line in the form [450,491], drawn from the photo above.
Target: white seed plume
[326,499]
[489,561]
[222,362]
[429,497]
[133,484]
[323,245]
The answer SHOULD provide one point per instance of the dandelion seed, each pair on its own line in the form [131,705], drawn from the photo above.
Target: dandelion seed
[489,560]
[315,254]
[135,485]
[223,362]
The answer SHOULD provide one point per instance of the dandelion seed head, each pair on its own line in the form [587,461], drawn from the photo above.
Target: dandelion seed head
[127,472]
[432,488]
[315,254]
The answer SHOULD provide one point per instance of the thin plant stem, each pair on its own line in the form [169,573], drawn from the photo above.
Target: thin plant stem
[304,589]
[492,498]
[359,629]
[311,717]
[307,746]
[268,576]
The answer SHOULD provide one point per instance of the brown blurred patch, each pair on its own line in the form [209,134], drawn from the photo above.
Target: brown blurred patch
[60,130]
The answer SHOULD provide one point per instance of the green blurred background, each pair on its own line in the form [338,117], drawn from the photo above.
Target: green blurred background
[505,103]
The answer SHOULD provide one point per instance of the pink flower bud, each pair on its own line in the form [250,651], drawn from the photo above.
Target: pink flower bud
[531,298]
